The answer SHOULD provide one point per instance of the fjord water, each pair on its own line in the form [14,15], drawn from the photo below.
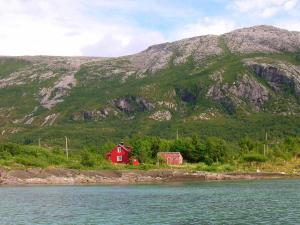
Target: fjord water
[236,202]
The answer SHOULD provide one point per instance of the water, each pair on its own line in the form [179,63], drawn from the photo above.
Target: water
[237,202]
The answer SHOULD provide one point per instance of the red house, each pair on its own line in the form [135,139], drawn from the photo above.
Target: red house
[121,154]
[172,158]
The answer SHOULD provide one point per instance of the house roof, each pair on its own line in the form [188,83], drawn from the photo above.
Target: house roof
[169,153]
[126,148]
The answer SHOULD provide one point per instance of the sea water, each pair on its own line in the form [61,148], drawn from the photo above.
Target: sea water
[234,202]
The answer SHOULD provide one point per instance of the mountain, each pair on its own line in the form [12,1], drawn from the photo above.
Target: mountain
[238,84]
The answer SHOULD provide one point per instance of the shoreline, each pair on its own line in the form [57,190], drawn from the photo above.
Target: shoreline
[61,176]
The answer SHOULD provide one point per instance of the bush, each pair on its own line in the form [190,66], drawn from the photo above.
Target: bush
[254,157]
[12,149]
[31,161]
[87,159]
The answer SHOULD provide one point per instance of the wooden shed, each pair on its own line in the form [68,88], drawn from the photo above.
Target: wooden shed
[171,158]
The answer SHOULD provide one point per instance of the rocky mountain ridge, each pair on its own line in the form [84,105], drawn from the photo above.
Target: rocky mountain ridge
[250,70]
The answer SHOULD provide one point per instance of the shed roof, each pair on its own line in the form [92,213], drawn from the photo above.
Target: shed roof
[169,153]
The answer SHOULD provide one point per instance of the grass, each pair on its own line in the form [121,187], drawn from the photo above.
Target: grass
[9,65]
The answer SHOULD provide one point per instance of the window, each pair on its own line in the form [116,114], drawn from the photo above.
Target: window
[119,158]
[119,149]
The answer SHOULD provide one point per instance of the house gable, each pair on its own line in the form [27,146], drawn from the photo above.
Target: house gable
[119,154]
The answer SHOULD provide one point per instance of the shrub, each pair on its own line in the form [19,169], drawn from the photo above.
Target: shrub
[10,148]
[31,161]
[87,159]
[254,157]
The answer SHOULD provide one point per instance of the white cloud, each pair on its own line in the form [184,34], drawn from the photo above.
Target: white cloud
[205,26]
[84,27]
[292,25]
[124,43]
[269,12]
[60,27]
[263,8]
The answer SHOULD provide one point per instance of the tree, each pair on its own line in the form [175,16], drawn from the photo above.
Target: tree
[216,149]
[246,144]
[155,145]
[141,149]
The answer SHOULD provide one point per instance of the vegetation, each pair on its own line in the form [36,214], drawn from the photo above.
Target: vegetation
[208,154]
[233,139]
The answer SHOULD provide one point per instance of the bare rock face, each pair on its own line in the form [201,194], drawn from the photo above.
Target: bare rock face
[49,97]
[156,58]
[231,95]
[93,115]
[251,90]
[262,39]
[133,104]
[278,75]
[50,119]
[43,68]
[162,115]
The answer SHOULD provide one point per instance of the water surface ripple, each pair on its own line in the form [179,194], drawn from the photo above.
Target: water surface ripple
[237,202]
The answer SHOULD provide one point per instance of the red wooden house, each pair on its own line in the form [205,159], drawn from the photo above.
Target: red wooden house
[121,154]
[171,158]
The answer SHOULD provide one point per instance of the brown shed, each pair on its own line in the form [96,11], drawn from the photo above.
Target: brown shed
[172,158]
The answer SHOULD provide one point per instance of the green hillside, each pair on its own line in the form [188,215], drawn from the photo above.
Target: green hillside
[227,94]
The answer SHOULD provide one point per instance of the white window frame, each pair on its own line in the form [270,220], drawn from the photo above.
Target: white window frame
[119,158]
[119,149]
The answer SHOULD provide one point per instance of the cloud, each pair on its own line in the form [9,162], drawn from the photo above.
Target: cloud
[62,27]
[120,27]
[205,26]
[263,8]
[123,43]
[292,25]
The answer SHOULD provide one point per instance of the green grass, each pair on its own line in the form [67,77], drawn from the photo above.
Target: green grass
[9,65]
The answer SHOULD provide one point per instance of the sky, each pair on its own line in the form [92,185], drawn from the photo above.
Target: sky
[122,27]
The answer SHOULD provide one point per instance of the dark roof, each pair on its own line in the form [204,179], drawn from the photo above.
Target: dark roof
[126,148]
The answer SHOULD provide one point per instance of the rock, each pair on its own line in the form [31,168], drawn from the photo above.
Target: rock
[169,105]
[187,95]
[262,39]
[133,104]
[161,115]
[251,90]
[93,115]
[87,115]
[278,75]
[246,88]
[209,114]
[49,97]
[124,104]
[50,119]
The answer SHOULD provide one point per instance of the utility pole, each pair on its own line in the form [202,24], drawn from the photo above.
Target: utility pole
[67,150]
[39,142]
[177,135]
[266,142]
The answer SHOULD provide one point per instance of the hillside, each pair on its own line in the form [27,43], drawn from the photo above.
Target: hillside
[238,84]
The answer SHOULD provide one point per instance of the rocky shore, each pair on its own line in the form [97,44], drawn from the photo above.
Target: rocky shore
[59,176]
